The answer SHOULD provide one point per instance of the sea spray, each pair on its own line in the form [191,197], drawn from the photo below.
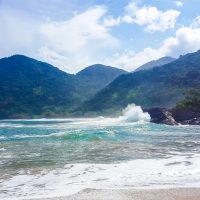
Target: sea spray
[133,113]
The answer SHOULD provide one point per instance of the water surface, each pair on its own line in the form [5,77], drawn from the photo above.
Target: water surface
[41,158]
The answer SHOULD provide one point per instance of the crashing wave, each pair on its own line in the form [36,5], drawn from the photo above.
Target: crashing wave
[133,113]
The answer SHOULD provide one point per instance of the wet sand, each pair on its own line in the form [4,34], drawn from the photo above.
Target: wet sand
[131,194]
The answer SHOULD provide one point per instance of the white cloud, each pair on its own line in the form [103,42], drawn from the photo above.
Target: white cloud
[131,60]
[77,41]
[111,21]
[73,34]
[86,38]
[148,16]
[186,40]
[151,17]
[179,3]
[70,44]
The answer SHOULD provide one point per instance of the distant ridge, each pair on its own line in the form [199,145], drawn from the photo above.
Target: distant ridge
[95,77]
[98,70]
[161,86]
[155,63]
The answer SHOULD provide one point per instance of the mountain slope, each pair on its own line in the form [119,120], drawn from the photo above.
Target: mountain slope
[30,88]
[155,63]
[159,87]
[94,78]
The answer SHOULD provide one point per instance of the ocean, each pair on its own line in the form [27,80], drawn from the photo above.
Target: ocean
[58,157]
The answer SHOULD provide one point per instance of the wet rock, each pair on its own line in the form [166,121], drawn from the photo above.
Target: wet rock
[186,116]
[194,121]
[174,116]
[161,116]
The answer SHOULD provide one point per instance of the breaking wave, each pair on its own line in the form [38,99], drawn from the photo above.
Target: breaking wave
[133,113]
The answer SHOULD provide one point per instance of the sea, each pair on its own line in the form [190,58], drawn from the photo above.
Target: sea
[43,158]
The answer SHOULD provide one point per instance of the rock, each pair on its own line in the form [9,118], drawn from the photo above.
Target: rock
[183,114]
[174,116]
[161,116]
[194,121]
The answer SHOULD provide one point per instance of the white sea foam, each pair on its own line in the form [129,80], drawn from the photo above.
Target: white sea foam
[133,113]
[2,137]
[179,171]
[21,136]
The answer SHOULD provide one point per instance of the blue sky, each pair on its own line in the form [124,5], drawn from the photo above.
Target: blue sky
[72,34]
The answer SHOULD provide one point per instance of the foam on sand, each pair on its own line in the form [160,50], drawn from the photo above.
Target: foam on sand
[177,171]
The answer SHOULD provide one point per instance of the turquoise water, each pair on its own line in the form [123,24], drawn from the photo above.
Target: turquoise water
[66,152]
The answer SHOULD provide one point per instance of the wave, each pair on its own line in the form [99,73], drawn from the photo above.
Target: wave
[3,137]
[22,136]
[133,113]
[28,136]
[81,135]
[66,135]
[177,171]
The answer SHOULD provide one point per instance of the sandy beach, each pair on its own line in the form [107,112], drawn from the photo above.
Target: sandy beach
[127,194]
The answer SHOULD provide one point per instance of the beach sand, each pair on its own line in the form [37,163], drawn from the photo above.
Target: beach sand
[131,194]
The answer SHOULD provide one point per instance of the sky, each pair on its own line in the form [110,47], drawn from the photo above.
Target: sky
[73,34]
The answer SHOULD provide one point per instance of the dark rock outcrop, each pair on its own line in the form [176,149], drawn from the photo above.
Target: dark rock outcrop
[161,116]
[183,114]
[174,116]
[194,121]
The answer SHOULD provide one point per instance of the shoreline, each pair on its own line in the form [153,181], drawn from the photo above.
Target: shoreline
[133,194]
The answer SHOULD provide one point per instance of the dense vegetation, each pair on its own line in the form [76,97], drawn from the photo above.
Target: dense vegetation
[158,87]
[191,101]
[94,78]
[30,88]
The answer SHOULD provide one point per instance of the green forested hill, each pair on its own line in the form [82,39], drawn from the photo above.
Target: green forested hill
[30,88]
[157,87]
[94,78]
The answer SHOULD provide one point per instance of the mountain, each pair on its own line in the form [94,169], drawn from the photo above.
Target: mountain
[96,77]
[158,87]
[155,63]
[30,88]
